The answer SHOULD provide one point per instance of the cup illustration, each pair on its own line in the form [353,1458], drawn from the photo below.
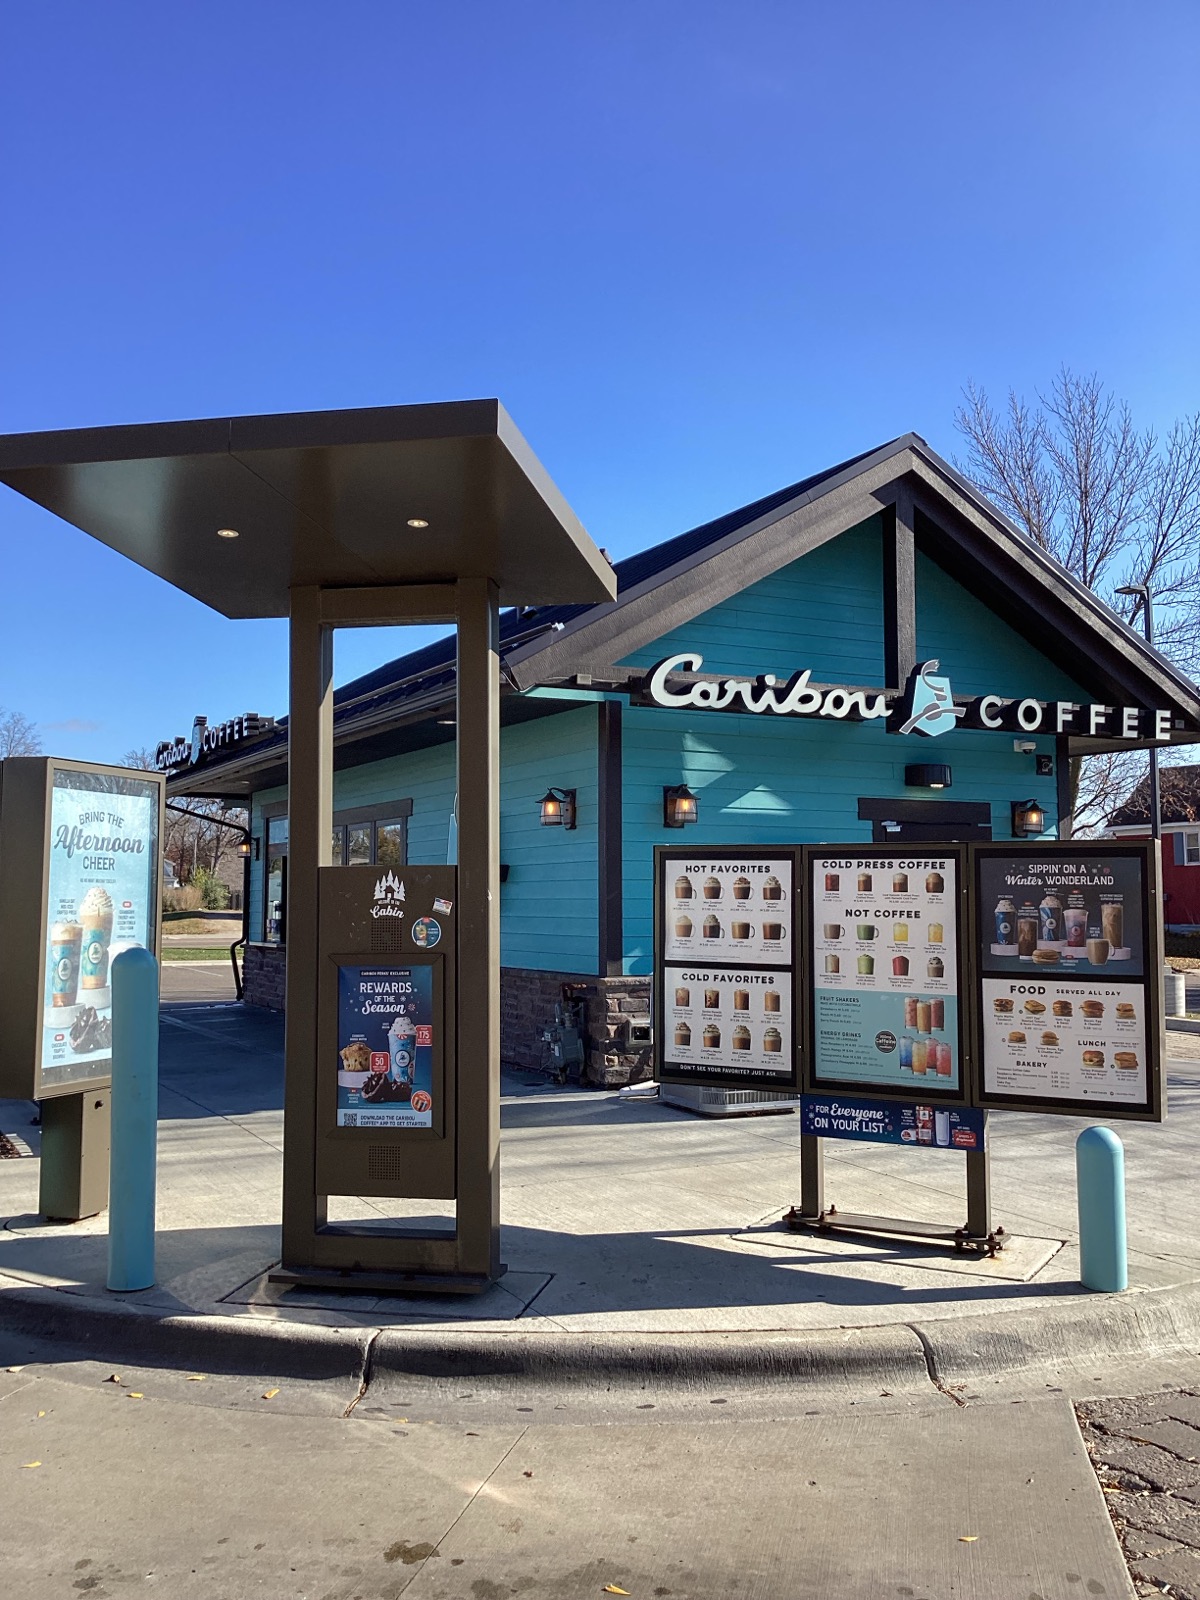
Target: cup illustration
[741,999]
[1075,920]
[943,1059]
[899,966]
[741,1037]
[772,889]
[683,888]
[772,930]
[899,882]
[683,927]
[683,1035]
[712,1037]
[712,889]
[924,1016]
[712,928]
[934,883]
[935,967]
[402,1041]
[96,916]
[906,1055]
[1112,916]
[741,889]
[937,1015]
[900,932]
[832,964]
[864,883]
[772,1041]
[941,1128]
[1098,951]
[833,882]
[910,1011]
[712,999]
[935,933]
[65,941]
[832,930]
[866,965]
[865,930]
[920,1056]
[683,997]
[771,998]
[741,930]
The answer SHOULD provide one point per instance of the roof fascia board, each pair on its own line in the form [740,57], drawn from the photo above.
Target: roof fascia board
[596,616]
[1026,558]
[658,607]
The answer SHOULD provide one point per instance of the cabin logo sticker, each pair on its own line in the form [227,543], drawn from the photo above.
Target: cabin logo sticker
[389,897]
[931,707]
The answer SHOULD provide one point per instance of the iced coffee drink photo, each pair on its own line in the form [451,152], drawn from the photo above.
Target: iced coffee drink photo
[65,941]
[96,917]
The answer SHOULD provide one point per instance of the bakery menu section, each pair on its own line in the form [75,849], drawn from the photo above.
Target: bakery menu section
[1068,1005]
[724,967]
[884,954]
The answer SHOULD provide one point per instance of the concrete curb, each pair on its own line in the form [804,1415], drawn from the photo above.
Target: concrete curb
[974,1347]
[112,1330]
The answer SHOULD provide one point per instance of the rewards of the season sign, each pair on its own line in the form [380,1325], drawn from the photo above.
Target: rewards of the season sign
[102,898]
[385,1046]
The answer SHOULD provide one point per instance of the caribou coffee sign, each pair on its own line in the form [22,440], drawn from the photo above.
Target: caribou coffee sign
[927,705]
[175,754]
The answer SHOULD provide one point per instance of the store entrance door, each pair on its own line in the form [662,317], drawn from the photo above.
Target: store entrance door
[926,821]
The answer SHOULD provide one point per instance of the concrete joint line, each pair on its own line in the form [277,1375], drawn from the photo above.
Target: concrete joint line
[366,1372]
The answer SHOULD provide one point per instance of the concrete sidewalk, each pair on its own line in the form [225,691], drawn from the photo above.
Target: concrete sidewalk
[625,1219]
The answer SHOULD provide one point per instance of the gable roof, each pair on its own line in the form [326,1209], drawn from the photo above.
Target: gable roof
[664,587]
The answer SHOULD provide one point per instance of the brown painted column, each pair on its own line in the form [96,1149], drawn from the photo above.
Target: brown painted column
[310,830]
[478,927]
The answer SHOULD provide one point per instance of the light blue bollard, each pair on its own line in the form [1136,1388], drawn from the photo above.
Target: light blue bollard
[134,1159]
[1100,1185]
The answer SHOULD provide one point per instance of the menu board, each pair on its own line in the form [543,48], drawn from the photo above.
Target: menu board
[385,1047]
[885,970]
[724,968]
[1068,1013]
[101,898]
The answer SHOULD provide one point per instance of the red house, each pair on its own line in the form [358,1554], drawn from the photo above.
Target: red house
[1180,801]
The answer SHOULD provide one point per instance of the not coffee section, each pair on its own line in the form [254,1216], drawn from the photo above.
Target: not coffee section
[905,993]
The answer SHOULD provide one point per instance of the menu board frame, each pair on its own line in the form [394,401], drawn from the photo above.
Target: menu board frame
[892,857]
[27,920]
[990,971]
[760,972]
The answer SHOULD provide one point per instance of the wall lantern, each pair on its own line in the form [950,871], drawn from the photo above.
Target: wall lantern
[927,775]
[248,849]
[680,805]
[1028,819]
[558,808]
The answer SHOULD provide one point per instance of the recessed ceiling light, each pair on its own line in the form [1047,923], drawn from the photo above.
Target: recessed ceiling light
[417,522]
[227,533]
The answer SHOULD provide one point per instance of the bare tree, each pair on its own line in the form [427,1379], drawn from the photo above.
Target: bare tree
[1114,505]
[18,736]
[199,832]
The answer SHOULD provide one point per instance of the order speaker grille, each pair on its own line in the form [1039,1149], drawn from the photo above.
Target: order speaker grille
[384,1161]
[385,937]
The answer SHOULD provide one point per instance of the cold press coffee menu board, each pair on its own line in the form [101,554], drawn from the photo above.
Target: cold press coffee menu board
[884,955]
[1068,1014]
[725,939]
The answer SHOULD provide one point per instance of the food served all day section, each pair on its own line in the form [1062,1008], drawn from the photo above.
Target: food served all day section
[726,984]
[984,975]
[884,958]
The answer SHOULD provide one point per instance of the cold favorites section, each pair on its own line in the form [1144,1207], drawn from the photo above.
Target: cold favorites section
[1070,1041]
[885,971]
[735,910]
[385,1047]
[720,1018]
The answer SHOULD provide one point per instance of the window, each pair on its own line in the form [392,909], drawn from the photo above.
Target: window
[1191,847]
[363,836]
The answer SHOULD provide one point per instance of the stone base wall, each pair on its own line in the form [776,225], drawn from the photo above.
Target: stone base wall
[264,975]
[527,1001]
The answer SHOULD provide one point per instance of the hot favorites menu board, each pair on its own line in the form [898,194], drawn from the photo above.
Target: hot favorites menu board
[1065,1005]
[725,977]
[885,971]
[102,898]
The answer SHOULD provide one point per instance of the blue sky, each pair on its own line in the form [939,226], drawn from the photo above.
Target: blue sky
[699,250]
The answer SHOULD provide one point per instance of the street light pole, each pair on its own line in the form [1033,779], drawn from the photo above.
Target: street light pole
[1142,591]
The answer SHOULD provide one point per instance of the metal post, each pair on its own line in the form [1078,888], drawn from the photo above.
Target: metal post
[478,709]
[979,1190]
[1100,1188]
[812,1176]
[134,1158]
[1155,802]
[310,834]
